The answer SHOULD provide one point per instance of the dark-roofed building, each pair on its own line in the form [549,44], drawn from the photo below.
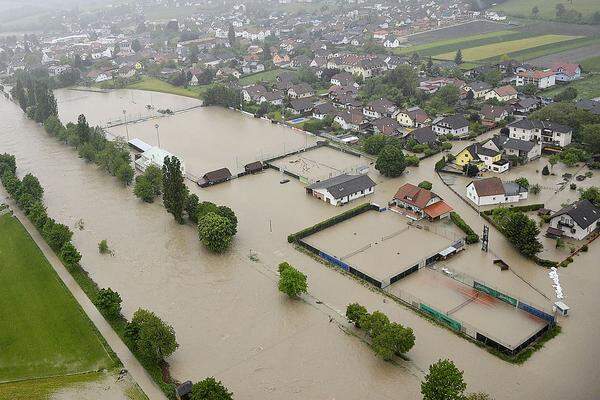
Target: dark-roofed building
[300,106]
[300,91]
[253,167]
[425,135]
[547,132]
[456,125]
[379,108]
[420,202]
[214,177]
[493,191]
[320,111]
[589,105]
[412,117]
[525,150]
[387,126]
[577,220]
[341,189]
[478,88]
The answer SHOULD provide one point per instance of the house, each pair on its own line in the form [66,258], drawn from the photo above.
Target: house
[524,150]
[320,111]
[525,105]
[492,114]
[351,120]
[379,108]
[546,132]
[275,98]
[214,177]
[253,93]
[589,105]
[343,79]
[300,91]
[300,106]
[502,93]
[493,191]
[425,135]
[387,126]
[577,220]
[478,88]
[155,156]
[483,157]
[421,203]
[566,72]
[412,117]
[341,189]
[541,79]
[455,125]
[391,42]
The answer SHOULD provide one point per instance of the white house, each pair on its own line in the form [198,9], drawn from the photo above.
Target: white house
[566,72]
[479,89]
[342,188]
[546,132]
[391,42]
[502,93]
[412,117]
[576,220]
[542,79]
[155,156]
[493,191]
[456,125]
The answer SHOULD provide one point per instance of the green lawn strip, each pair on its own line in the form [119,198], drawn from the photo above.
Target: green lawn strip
[156,85]
[264,76]
[41,389]
[547,8]
[44,330]
[493,50]
[552,48]
[587,88]
[591,64]
[442,46]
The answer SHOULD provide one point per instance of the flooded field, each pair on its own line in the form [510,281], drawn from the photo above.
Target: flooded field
[382,244]
[322,163]
[230,320]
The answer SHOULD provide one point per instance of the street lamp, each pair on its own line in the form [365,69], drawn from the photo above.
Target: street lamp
[157,135]
[126,127]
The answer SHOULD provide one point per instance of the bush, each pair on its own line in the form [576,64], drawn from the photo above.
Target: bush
[472,237]
[294,237]
[109,303]
[572,186]
[153,338]
[215,232]
[584,248]
[103,247]
[412,161]
[210,389]
[426,185]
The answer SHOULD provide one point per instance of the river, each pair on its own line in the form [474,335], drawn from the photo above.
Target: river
[231,321]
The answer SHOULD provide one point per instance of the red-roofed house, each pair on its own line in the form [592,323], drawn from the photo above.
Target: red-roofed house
[421,203]
[566,72]
[502,93]
[542,79]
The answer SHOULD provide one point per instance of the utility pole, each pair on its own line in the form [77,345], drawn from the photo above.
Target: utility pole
[157,135]
[126,127]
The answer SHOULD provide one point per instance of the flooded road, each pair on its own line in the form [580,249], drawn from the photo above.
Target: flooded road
[230,320]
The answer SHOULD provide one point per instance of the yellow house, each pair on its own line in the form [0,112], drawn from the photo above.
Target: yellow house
[138,65]
[478,155]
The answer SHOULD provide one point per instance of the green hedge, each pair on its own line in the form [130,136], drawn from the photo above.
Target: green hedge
[472,237]
[294,237]
[527,208]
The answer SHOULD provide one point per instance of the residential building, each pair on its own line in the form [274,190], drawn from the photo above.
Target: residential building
[491,114]
[253,93]
[342,189]
[320,111]
[379,108]
[592,106]
[425,135]
[387,126]
[155,156]
[479,89]
[541,79]
[493,191]
[351,120]
[524,150]
[301,91]
[502,93]
[485,158]
[343,79]
[456,125]
[546,132]
[421,203]
[215,177]
[301,106]
[412,117]
[566,72]
[577,220]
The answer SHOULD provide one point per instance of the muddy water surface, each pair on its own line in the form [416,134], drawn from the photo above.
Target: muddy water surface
[231,321]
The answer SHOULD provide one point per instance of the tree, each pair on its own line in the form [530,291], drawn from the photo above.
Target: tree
[174,189]
[210,389]
[231,36]
[535,11]
[8,163]
[568,94]
[215,232]
[69,255]
[192,204]
[535,188]
[125,173]
[354,313]
[31,185]
[443,382]
[37,214]
[228,213]
[523,182]
[560,10]
[470,170]
[374,144]
[11,183]
[426,185]
[56,235]
[390,161]
[520,230]
[135,45]
[291,281]
[393,339]
[374,323]
[591,137]
[458,58]
[109,303]
[529,89]
[221,95]
[143,189]
[154,338]
[103,247]
[592,194]
[205,207]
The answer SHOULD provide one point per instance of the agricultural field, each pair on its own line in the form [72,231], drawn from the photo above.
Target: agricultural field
[509,47]
[44,331]
[587,56]
[555,51]
[587,88]
[547,8]
[591,64]
[457,31]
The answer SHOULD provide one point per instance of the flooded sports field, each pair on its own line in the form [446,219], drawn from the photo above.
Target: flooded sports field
[230,319]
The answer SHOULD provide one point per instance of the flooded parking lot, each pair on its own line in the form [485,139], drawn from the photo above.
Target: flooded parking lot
[230,319]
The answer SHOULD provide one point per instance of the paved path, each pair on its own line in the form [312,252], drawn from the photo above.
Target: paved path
[129,361]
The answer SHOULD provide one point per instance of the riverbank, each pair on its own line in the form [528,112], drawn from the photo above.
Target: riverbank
[157,85]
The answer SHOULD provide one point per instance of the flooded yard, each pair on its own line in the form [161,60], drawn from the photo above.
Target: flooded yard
[230,319]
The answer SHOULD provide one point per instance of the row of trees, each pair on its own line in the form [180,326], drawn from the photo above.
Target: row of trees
[519,229]
[35,98]
[388,338]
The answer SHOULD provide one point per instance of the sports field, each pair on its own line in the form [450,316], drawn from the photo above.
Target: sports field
[497,49]
[546,8]
[43,331]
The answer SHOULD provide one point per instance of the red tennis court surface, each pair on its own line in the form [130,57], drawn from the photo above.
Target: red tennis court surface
[486,314]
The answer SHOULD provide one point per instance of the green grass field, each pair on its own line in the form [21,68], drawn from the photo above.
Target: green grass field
[43,330]
[591,64]
[497,49]
[547,8]
[156,85]
[265,76]
[587,88]
[446,45]
[548,49]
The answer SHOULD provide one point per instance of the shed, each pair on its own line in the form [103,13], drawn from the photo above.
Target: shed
[214,177]
[253,167]
[561,308]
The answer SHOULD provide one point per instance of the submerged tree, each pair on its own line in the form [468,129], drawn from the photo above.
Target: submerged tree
[174,189]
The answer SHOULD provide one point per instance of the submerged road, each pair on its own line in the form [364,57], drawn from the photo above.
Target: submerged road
[135,369]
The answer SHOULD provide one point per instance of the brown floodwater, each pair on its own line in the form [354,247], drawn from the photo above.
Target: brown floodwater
[230,319]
